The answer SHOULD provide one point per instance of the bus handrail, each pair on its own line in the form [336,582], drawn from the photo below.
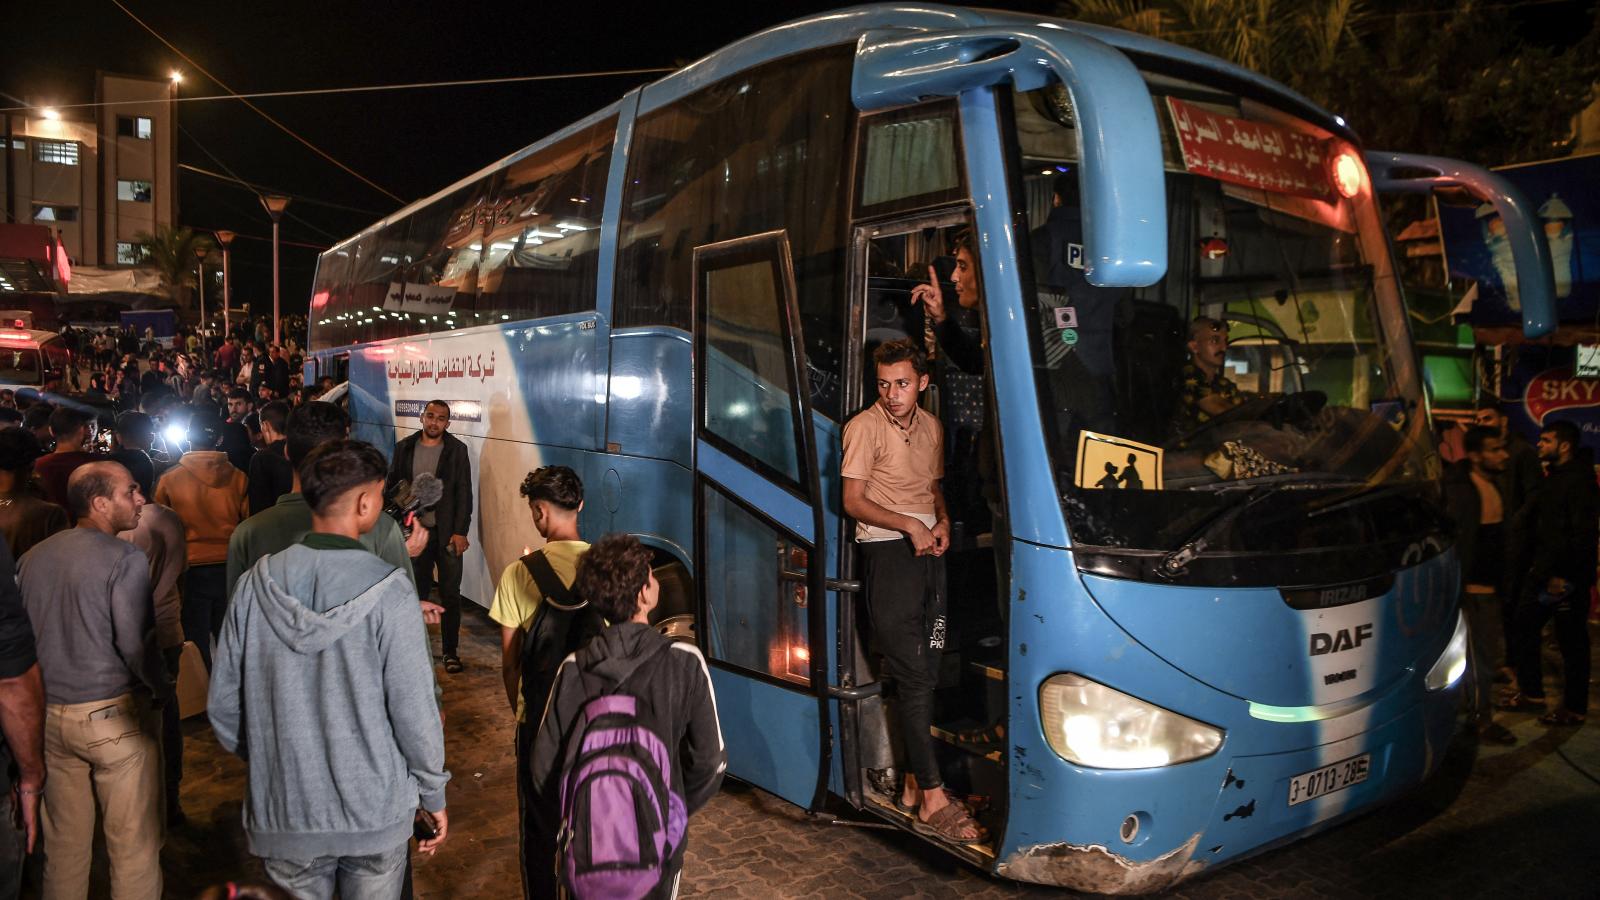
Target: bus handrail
[1536,282]
[1121,180]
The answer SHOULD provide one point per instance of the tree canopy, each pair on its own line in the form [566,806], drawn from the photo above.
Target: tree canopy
[1414,75]
[172,251]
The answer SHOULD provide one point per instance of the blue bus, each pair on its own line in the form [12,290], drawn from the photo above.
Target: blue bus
[678,297]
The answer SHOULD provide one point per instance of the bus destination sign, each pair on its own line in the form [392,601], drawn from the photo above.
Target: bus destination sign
[1253,154]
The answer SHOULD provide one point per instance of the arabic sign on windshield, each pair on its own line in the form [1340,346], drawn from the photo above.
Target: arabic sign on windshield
[1253,154]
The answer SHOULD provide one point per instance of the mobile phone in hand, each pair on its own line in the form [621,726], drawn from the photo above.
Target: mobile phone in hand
[422,829]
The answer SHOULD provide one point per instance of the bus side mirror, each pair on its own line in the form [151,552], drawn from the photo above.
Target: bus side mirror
[1121,180]
[1536,283]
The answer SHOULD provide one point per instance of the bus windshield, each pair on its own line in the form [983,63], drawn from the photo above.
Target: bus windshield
[1256,417]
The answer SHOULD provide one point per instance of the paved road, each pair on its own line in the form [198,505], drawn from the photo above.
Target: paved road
[1495,823]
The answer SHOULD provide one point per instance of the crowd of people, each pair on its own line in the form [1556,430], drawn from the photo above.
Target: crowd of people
[253,528]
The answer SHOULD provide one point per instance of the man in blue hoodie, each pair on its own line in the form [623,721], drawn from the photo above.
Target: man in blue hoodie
[338,720]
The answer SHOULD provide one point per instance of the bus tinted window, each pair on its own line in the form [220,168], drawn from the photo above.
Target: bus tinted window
[541,232]
[764,150]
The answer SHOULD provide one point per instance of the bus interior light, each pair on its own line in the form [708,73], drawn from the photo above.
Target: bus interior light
[1089,724]
[1452,663]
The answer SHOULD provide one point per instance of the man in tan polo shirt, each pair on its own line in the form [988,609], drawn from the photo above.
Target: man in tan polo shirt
[893,461]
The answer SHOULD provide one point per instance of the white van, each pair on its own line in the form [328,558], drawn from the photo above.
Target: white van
[30,358]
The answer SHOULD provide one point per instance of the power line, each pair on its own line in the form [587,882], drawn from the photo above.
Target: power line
[257,237]
[359,89]
[259,111]
[229,169]
[262,189]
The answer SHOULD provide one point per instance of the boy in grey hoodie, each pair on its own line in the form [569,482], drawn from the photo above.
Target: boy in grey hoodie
[337,718]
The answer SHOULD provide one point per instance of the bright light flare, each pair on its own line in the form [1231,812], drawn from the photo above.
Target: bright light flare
[51,113]
[176,76]
[1348,174]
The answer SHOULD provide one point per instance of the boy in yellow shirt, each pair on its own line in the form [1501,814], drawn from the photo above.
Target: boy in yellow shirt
[555,496]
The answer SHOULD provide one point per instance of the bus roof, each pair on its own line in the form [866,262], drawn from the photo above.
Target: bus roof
[848,24]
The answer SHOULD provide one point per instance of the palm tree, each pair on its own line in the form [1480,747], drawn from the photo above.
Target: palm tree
[171,249]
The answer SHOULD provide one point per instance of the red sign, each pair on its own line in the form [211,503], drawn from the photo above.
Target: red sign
[1253,154]
[1556,389]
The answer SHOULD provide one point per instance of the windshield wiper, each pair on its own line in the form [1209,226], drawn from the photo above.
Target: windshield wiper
[1173,564]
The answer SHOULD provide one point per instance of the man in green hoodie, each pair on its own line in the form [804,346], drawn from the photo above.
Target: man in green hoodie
[338,720]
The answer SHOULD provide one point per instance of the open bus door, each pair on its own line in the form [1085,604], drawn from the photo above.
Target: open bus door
[760,546]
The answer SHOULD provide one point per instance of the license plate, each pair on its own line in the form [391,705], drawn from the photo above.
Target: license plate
[1328,779]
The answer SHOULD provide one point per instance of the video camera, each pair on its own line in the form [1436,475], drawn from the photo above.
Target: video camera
[410,496]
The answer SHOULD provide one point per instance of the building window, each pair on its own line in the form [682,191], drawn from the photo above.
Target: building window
[136,191]
[19,144]
[131,254]
[63,153]
[134,127]
[43,212]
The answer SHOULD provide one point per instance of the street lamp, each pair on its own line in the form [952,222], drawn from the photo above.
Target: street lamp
[275,204]
[200,258]
[225,238]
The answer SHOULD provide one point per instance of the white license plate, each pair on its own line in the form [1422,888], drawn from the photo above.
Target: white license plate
[1328,779]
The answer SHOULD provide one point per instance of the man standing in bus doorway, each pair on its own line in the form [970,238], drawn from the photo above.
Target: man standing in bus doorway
[437,452]
[893,461]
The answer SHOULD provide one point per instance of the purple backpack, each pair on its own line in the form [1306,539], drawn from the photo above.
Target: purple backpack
[621,821]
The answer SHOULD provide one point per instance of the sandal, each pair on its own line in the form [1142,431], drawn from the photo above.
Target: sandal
[972,803]
[452,664]
[1517,702]
[949,824]
[1563,718]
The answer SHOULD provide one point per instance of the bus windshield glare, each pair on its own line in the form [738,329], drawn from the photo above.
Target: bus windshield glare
[1256,416]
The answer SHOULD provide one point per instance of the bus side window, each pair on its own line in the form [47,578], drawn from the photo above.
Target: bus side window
[766,149]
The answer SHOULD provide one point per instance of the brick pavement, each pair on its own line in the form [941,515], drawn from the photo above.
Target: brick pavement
[1499,822]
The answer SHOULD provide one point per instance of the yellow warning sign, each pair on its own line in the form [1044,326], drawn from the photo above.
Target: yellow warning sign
[1106,462]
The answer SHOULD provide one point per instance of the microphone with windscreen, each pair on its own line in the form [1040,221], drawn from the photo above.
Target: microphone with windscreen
[410,496]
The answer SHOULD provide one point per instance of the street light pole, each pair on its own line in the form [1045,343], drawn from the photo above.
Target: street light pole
[200,257]
[275,205]
[225,238]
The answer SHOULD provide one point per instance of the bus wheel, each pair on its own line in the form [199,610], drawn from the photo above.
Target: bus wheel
[674,613]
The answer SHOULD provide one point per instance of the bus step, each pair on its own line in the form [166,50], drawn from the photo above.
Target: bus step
[962,739]
[978,854]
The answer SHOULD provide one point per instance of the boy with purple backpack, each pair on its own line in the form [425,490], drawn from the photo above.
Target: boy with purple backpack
[629,745]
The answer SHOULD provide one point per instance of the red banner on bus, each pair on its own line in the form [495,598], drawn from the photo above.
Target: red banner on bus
[1253,154]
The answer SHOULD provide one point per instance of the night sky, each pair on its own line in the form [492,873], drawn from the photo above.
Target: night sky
[410,142]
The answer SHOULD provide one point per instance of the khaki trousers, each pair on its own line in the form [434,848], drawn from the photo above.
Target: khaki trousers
[105,754]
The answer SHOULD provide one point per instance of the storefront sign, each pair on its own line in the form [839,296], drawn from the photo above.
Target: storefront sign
[1254,154]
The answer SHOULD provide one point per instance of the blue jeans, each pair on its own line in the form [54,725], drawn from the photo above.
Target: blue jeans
[375,877]
[205,603]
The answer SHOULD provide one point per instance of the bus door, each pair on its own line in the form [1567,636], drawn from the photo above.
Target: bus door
[890,257]
[760,540]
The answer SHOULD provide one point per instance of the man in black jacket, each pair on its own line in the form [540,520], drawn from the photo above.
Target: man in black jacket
[1473,497]
[435,451]
[630,656]
[1557,531]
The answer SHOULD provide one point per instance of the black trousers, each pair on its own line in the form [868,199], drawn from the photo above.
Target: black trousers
[906,606]
[536,845]
[449,581]
[205,603]
[172,732]
[1572,637]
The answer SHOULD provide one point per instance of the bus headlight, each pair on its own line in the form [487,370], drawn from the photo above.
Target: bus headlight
[1092,725]
[1452,663]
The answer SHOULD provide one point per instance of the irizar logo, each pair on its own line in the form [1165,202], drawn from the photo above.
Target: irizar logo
[1341,640]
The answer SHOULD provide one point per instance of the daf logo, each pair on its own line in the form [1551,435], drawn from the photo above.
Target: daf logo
[1341,640]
